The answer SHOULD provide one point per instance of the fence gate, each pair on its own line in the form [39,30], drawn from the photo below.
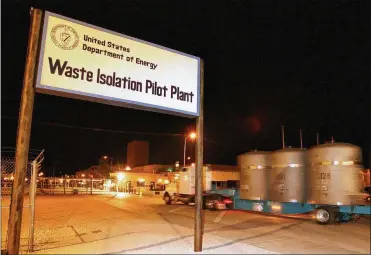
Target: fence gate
[7,176]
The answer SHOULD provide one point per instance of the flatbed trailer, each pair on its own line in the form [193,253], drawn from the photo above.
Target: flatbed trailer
[324,214]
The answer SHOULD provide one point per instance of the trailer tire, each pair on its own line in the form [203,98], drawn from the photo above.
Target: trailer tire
[167,199]
[325,215]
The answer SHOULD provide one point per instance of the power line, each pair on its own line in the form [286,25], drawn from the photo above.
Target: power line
[115,131]
[13,148]
[218,143]
[97,129]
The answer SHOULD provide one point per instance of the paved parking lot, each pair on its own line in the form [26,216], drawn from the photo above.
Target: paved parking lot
[132,224]
[299,234]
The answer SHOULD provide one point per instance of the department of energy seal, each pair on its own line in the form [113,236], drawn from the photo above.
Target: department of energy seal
[65,37]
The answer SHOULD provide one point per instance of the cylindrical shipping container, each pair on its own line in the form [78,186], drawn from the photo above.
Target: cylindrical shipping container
[254,182]
[288,175]
[335,174]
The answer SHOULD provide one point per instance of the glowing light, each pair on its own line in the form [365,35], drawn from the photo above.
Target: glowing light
[127,168]
[83,175]
[276,207]
[12,178]
[192,135]
[159,180]
[140,180]
[120,195]
[336,162]
[348,163]
[166,181]
[120,176]
[193,164]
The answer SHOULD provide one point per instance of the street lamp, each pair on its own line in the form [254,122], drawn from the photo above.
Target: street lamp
[111,159]
[190,136]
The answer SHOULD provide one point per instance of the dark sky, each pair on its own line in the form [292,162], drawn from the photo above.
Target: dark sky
[303,64]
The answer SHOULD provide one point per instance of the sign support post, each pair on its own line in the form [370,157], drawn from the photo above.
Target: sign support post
[23,136]
[198,230]
[82,61]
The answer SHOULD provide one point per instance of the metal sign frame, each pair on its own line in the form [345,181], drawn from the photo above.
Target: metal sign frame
[46,89]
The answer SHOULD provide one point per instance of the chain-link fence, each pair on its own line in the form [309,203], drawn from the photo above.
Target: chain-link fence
[7,178]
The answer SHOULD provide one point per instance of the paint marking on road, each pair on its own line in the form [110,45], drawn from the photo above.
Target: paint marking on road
[220,216]
[176,209]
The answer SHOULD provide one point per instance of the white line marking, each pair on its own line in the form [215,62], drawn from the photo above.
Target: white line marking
[220,216]
[176,209]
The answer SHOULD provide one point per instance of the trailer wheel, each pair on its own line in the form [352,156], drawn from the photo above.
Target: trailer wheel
[167,199]
[325,215]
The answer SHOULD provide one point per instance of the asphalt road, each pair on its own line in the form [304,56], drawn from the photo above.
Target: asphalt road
[127,223]
[297,234]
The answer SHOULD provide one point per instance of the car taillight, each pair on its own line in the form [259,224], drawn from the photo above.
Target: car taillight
[227,201]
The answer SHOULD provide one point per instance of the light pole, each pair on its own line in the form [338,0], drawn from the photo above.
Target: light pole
[111,159]
[191,136]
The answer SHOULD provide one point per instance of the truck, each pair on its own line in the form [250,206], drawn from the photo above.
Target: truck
[183,188]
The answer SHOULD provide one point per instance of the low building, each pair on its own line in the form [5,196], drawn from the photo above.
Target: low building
[150,177]
[155,177]
[97,171]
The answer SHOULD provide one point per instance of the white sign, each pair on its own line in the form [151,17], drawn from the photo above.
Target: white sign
[86,62]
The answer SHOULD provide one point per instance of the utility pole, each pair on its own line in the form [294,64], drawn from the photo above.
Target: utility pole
[184,151]
[317,138]
[301,139]
[24,132]
[198,230]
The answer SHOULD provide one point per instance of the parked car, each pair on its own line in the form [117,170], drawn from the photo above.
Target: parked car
[368,191]
[217,202]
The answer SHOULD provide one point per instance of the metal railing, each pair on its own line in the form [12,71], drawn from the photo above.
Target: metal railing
[81,186]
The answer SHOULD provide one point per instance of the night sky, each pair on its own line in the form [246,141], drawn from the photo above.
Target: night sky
[301,64]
